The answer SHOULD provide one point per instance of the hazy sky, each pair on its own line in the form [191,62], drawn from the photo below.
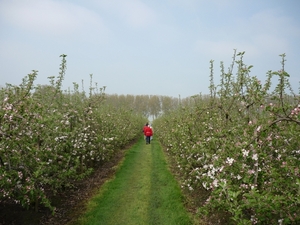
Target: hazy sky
[155,47]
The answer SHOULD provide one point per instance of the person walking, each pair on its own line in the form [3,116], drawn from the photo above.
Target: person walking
[146,125]
[148,133]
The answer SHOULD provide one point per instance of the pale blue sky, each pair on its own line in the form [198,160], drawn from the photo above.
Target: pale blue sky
[155,47]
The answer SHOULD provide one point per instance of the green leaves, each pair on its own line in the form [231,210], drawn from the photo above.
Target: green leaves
[242,149]
[49,139]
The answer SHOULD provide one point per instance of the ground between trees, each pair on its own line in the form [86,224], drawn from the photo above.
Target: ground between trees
[143,191]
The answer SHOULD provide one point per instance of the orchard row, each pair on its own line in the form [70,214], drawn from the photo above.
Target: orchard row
[239,150]
[50,139]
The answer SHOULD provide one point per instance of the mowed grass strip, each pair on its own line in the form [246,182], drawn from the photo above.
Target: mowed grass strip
[166,200]
[143,191]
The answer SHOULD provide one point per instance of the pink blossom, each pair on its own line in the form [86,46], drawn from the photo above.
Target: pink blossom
[251,171]
[283,164]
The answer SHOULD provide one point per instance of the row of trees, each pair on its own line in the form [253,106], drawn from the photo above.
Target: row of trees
[238,151]
[49,139]
[237,147]
[150,106]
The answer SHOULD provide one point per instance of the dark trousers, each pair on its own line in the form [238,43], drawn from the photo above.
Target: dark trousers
[148,139]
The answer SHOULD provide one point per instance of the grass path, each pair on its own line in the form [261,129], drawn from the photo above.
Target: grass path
[143,191]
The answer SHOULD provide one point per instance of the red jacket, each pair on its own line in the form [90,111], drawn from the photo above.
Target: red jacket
[148,131]
[144,128]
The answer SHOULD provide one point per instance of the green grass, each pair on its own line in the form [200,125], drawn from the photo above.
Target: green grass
[143,191]
[166,201]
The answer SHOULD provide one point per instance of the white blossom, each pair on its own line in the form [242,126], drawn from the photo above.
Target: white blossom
[215,183]
[255,157]
[229,161]
[258,128]
[245,152]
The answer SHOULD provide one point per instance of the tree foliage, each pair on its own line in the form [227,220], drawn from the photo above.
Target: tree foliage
[50,138]
[240,147]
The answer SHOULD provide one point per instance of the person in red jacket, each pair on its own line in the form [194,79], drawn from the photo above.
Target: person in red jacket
[148,133]
[146,125]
